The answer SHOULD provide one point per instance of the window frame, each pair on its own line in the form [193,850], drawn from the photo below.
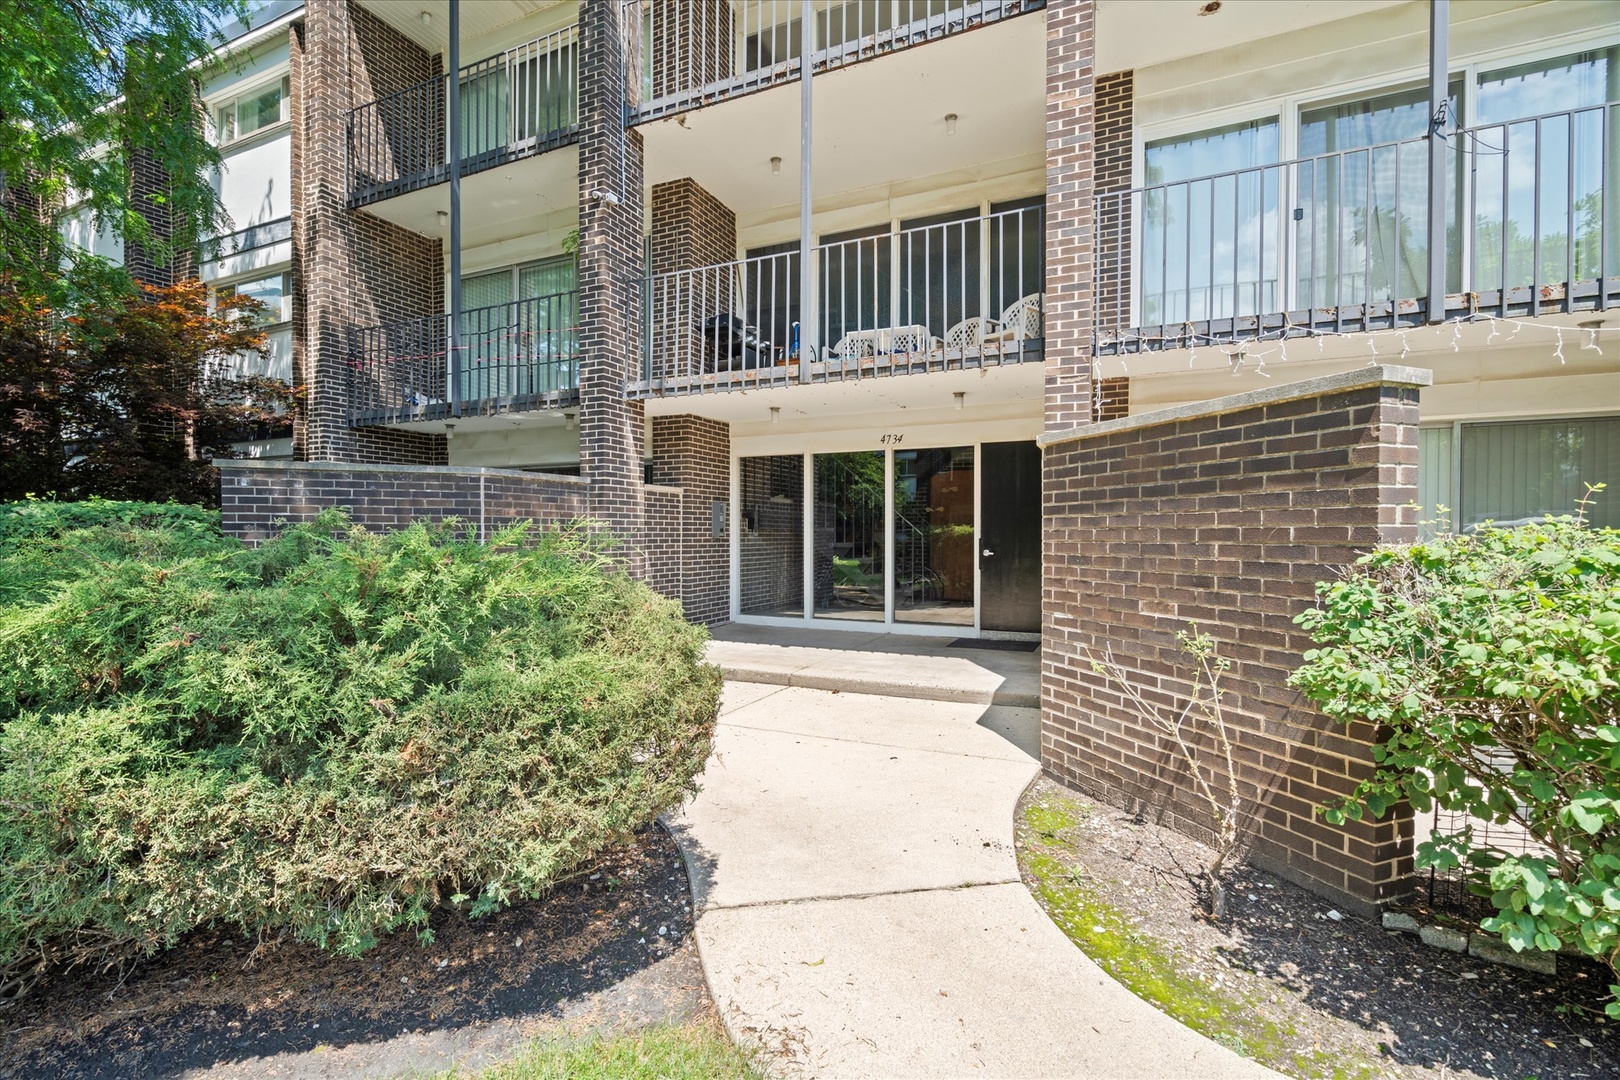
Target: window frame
[232,104]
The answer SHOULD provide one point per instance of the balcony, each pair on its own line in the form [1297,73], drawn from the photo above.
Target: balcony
[1338,242]
[514,357]
[514,105]
[955,295]
[699,52]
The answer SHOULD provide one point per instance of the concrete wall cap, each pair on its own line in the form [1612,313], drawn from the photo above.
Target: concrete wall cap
[1357,379]
[284,465]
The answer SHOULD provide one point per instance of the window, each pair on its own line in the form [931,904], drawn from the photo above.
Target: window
[939,270]
[771,292]
[855,277]
[1210,229]
[1553,189]
[520,329]
[1515,471]
[274,291]
[253,111]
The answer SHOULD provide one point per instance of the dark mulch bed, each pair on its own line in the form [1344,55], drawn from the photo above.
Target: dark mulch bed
[591,955]
[1358,999]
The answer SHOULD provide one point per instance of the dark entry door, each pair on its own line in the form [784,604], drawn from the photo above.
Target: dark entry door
[1010,549]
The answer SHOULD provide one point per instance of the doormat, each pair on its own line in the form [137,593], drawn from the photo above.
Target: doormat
[994,644]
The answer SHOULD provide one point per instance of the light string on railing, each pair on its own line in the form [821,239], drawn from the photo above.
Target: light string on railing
[1244,354]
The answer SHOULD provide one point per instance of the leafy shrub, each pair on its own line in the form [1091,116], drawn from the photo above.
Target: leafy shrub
[1491,663]
[330,735]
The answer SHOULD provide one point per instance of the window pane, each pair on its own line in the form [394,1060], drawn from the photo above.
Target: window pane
[934,561]
[770,285]
[851,508]
[1568,82]
[269,291]
[486,111]
[547,91]
[260,111]
[1522,471]
[772,541]
[1364,236]
[1017,238]
[549,324]
[1210,246]
[1434,480]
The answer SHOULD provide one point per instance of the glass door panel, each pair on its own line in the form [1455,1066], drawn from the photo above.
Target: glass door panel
[850,508]
[934,556]
[548,321]
[772,542]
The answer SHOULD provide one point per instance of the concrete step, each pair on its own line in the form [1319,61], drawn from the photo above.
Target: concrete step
[891,665]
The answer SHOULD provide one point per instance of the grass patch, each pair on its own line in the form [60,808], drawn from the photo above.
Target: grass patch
[697,1051]
[1152,969]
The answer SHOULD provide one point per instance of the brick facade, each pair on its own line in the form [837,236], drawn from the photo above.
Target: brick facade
[258,498]
[1071,29]
[1115,151]
[690,228]
[692,44]
[694,454]
[350,269]
[1111,398]
[1224,515]
[610,261]
[664,532]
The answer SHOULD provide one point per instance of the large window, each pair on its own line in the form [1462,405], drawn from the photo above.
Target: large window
[274,291]
[855,279]
[1210,228]
[520,330]
[251,112]
[772,540]
[939,270]
[1516,471]
[1539,183]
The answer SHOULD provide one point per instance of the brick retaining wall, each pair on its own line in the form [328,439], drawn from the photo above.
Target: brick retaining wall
[1226,514]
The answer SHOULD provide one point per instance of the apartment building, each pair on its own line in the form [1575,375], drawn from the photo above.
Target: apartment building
[927,316]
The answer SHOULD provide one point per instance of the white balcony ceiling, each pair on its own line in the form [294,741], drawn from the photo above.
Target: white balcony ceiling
[1139,33]
[478,18]
[879,125]
[499,204]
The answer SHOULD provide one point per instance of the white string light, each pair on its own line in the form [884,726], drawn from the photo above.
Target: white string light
[1245,351]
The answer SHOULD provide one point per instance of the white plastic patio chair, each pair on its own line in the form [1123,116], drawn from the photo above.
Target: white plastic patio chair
[1022,319]
[969,335]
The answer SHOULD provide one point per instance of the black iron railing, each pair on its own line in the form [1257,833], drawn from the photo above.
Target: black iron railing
[513,357]
[1339,241]
[515,104]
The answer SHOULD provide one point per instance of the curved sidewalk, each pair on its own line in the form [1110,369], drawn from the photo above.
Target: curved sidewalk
[860,909]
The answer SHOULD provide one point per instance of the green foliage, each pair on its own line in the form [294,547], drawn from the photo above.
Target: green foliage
[330,735]
[1490,662]
[87,87]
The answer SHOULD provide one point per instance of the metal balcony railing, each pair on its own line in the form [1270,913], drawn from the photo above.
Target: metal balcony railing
[513,357]
[1338,242]
[948,295]
[697,51]
[514,105]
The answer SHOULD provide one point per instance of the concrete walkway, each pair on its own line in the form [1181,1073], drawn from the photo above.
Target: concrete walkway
[860,909]
[895,665]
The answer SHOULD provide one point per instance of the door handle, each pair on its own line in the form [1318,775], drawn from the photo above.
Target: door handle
[988,553]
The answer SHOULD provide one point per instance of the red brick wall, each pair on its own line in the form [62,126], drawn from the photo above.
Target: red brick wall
[257,499]
[694,453]
[350,269]
[1225,516]
[1070,130]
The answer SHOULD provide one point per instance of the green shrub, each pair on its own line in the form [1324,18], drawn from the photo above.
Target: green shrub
[1491,663]
[330,735]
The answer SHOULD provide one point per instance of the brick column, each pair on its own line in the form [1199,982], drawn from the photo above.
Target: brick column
[1115,216]
[1225,515]
[694,454]
[350,269]
[690,228]
[610,263]
[1070,108]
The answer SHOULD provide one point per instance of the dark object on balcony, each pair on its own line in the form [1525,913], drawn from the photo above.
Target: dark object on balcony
[732,345]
